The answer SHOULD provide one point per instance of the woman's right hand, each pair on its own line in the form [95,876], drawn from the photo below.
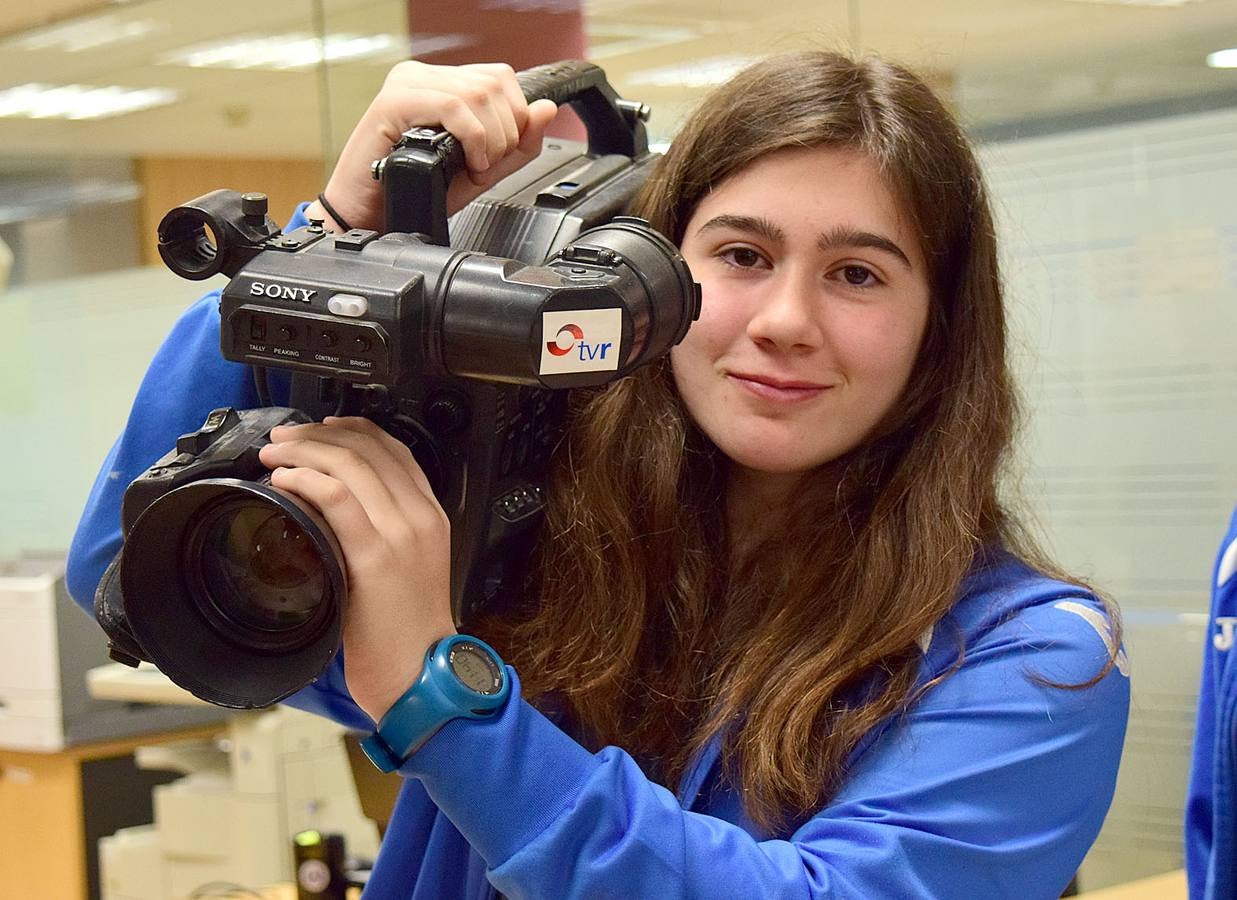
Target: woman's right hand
[481,105]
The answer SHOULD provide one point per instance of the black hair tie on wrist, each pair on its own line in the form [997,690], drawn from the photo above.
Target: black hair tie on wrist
[330,211]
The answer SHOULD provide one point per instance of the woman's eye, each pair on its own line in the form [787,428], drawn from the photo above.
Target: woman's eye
[859,276]
[742,257]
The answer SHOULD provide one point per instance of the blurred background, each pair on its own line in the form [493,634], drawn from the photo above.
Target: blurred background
[1109,133]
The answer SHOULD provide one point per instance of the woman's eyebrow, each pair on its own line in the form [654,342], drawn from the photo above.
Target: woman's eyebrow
[841,236]
[845,236]
[753,224]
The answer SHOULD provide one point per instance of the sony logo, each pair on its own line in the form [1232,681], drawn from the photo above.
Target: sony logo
[280,292]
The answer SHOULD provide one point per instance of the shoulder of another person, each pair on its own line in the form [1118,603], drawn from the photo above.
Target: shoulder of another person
[1224,594]
[1226,562]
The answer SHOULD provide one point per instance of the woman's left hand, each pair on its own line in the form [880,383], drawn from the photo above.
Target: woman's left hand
[396,542]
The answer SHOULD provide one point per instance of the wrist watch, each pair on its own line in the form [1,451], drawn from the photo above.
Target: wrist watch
[462,678]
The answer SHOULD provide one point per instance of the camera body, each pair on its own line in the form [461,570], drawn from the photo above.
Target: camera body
[457,338]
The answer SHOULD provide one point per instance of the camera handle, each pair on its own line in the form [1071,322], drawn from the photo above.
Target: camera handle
[416,173]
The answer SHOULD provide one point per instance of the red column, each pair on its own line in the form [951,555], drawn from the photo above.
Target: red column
[522,33]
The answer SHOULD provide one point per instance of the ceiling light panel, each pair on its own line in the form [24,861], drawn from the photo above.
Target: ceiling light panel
[607,40]
[85,34]
[1223,59]
[79,101]
[697,73]
[1139,2]
[302,50]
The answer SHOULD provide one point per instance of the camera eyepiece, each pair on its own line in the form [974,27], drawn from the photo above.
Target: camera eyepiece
[217,232]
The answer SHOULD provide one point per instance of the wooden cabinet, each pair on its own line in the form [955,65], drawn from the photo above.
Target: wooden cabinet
[48,801]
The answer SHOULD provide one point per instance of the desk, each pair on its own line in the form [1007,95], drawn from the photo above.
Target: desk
[42,816]
[280,892]
[1169,886]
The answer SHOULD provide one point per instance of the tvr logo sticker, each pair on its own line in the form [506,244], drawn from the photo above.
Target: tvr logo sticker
[564,342]
[571,338]
[583,340]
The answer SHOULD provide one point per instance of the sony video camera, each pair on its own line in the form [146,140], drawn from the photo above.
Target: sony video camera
[457,339]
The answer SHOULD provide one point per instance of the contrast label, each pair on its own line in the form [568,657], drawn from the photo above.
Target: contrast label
[585,340]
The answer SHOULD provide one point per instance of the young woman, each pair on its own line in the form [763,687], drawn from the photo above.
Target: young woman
[785,641]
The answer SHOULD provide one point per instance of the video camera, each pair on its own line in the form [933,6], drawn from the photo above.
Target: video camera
[457,338]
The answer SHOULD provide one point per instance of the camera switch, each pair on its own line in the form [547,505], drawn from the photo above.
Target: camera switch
[217,424]
[356,239]
[351,305]
[257,329]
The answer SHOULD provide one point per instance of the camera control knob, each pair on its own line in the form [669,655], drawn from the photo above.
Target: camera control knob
[446,415]
[254,207]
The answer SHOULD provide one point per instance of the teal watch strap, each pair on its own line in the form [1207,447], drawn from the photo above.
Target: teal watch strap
[462,678]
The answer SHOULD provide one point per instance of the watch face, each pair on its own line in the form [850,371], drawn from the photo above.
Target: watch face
[475,668]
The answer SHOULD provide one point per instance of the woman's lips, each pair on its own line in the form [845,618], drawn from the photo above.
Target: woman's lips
[776,389]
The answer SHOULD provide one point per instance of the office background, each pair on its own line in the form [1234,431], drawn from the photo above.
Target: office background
[1108,129]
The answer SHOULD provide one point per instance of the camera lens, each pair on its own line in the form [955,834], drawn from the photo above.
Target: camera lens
[259,567]
[235,590]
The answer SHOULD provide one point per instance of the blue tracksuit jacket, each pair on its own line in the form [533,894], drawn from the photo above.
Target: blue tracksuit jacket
[993,785]
[1211,808]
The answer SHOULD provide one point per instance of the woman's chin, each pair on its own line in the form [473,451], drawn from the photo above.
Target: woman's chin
[769,459]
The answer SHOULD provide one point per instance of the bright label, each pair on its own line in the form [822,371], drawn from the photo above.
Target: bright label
[585,340]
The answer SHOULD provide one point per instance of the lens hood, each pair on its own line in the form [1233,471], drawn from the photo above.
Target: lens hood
[227,640]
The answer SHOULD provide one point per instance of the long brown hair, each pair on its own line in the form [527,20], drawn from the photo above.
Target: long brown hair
[646,626]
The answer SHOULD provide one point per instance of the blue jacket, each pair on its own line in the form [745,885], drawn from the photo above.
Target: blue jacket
[993,785]
[1211,806]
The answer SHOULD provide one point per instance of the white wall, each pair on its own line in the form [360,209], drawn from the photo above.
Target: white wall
[74,353]
[1121,262]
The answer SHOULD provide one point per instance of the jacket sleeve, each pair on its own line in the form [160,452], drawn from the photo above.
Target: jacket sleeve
[993,785]
[1200,801]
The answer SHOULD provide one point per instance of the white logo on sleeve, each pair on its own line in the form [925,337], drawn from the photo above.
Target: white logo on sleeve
[1228,564]
[1102,628]
[582,340]
[1223,639]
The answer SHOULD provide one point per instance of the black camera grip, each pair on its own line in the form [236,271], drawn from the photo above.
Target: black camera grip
[560,81]
[583,85]
[416,173]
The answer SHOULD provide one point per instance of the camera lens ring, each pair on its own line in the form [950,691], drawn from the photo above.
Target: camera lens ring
[234,625]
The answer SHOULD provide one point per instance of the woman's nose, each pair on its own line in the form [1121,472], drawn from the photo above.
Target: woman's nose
[789,315]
